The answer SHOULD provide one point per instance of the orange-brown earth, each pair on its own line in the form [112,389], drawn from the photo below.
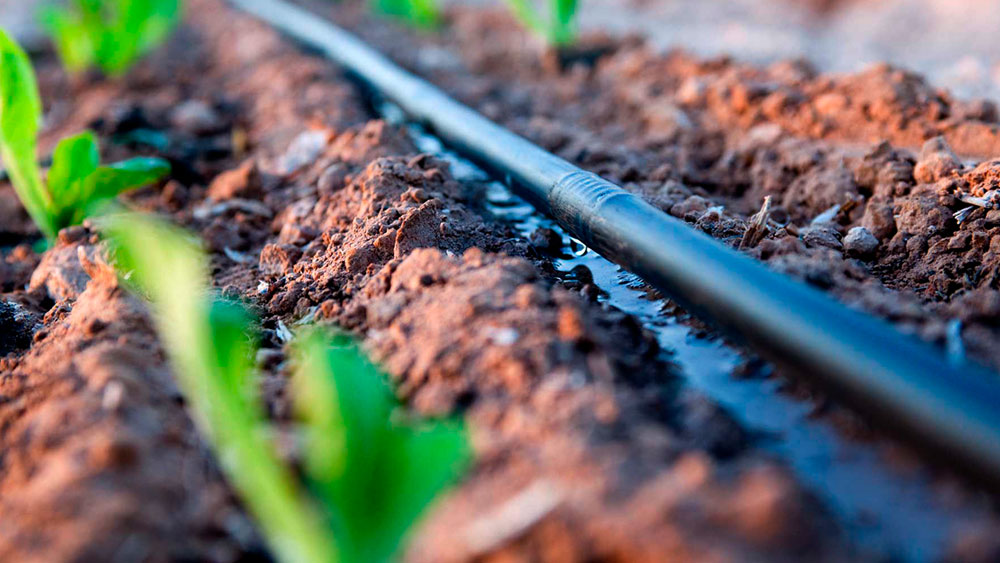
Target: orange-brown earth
[588,447]
[870,199]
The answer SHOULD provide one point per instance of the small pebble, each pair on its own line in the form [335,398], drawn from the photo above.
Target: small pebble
[936,161]
[822,234]
[859,242]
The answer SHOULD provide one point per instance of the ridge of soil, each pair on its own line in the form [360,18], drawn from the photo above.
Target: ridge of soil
[587,446]
[861,168]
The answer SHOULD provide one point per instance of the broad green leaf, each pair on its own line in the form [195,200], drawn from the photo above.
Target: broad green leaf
[109,181]
[162,19]
[375,474]
[424,460]
[163,260]
[526,12]
[414,465]
[74,159]
[21,104]
[425,13]
[120,40]
[20,120]
[361,405]
[84,190]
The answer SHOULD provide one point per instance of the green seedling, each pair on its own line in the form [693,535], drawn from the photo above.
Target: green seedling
[76,184]
[211,348]
[111,34]
[383,470]
[423,14]
[367,472]
[558,29]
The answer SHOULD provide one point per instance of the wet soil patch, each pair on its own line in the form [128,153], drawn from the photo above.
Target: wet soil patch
[15,328]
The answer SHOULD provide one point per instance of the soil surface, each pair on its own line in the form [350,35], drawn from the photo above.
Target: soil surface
[588,445]
[869,198]
[948,41]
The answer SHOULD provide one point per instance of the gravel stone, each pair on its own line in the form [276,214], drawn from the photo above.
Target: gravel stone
[860,242]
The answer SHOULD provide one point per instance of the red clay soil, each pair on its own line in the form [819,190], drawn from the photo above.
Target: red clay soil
[311,207]
[861,168]
[588,448]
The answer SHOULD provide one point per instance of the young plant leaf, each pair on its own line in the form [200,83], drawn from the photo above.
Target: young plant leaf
[20,120]
[163,17]
[563,28]
[369,472]
[388,471]
[425,459]
[423,14]
[107,182]
[80,187]
[70,36]
[111,34]
[212,352]
[74,159]
[558,29]
[77,186]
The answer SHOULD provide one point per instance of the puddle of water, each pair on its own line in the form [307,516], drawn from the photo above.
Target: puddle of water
[882,508]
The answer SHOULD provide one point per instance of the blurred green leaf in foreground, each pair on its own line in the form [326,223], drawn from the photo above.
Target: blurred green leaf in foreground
[368,470]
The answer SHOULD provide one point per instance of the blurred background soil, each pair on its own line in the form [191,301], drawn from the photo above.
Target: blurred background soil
[952,42]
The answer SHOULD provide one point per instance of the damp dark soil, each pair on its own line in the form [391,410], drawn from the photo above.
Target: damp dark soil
[588,445]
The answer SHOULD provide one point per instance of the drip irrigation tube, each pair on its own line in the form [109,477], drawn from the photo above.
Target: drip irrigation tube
[951,407]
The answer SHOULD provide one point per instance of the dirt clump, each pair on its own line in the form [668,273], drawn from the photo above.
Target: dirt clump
[95,438]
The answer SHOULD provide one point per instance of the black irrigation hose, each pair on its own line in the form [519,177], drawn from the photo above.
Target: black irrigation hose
[953,408]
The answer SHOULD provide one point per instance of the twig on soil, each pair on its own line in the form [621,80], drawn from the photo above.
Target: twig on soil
[757,227]
[962,214]
[831,214]
[989,200]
